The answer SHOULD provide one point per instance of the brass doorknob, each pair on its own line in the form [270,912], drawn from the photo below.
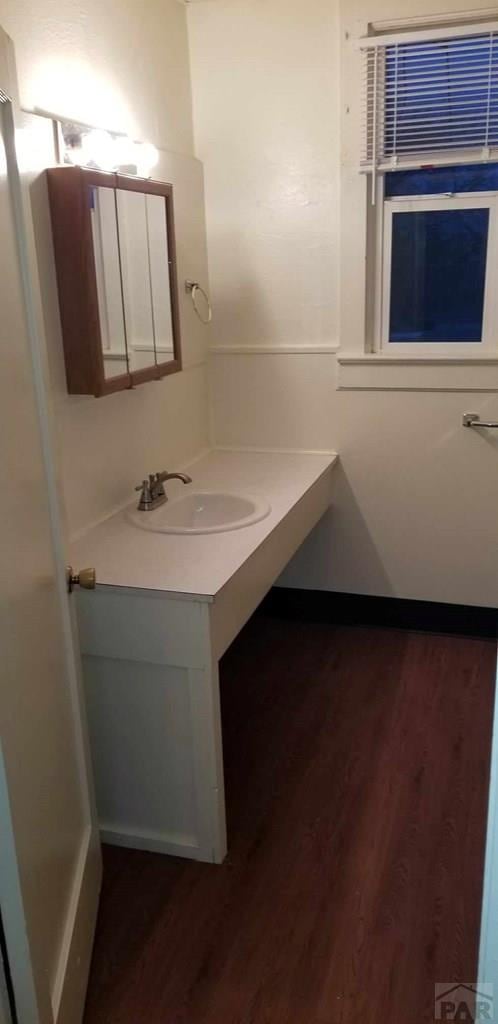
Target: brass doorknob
[85,578]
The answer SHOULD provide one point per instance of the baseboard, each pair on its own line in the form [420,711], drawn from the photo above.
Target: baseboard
[383,612]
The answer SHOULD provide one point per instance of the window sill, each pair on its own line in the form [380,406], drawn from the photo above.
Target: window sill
[381,372]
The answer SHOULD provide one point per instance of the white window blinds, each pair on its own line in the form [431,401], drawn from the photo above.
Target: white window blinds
[430,99]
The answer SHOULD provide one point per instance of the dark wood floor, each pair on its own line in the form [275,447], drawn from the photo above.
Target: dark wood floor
[357,769]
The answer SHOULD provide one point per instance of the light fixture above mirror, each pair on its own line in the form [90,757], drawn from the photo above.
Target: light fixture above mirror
[105,151]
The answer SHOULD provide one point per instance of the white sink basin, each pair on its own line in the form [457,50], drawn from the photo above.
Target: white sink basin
[202,512]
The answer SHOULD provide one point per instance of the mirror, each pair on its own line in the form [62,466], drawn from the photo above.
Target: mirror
[132,264]
[114,246]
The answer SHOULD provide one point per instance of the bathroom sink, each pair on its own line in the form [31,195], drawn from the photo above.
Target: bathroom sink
[202,512]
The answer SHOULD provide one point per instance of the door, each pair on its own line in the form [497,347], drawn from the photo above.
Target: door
[50,864]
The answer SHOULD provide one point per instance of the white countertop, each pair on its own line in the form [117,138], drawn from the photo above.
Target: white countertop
[200,565]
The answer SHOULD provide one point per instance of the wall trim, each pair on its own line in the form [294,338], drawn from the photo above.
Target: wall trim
[271,350]
[378,372]
[381,612]
[386,359]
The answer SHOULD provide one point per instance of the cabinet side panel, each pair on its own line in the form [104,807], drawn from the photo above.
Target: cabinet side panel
[141,739]
[75,269]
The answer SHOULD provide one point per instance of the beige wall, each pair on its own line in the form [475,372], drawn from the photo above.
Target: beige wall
[123,65]
[414,513]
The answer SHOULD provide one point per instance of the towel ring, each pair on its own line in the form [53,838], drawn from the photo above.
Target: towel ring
[193,287]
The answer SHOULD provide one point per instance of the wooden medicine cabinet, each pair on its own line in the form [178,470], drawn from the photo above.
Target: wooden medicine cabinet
[114,244]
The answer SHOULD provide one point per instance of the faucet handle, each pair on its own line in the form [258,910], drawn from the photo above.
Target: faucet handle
[156,485]
[145,495]
[146,489]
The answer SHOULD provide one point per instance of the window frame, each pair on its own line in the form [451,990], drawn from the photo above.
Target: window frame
[420,203]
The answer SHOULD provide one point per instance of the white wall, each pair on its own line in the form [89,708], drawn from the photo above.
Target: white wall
[414,514]
[120,65]
[123,65]
[266,125]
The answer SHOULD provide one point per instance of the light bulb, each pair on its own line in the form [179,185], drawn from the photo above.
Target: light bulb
[124,151]
[98,148]
[146,157]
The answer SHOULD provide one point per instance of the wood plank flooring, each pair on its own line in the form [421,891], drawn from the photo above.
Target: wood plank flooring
[357,766]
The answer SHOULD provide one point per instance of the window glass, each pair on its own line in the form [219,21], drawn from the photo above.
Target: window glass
[437,180]
[438,275]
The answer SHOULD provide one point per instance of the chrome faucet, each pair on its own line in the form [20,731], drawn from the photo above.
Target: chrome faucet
[152,490]
[162,477]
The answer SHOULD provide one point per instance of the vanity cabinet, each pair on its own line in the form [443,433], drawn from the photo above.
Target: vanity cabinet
[114,245]
[152,634]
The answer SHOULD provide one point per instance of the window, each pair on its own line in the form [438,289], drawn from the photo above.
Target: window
[437,268]
[431,151]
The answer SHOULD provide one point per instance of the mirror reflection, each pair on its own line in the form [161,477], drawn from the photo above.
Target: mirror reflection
[155,209]
[107,266]
[135,271]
